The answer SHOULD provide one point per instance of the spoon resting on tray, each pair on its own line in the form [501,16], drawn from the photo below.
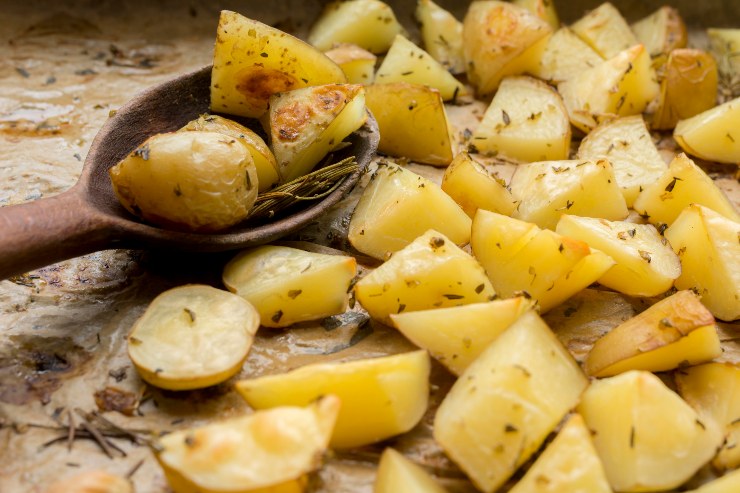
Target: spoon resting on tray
[88,217]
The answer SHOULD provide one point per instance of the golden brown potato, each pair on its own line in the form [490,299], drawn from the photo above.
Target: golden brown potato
[357,63]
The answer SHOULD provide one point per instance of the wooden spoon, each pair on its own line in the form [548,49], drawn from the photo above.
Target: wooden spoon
[88,216]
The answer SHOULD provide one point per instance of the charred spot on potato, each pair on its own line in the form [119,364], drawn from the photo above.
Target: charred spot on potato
[257,84]
[291,119]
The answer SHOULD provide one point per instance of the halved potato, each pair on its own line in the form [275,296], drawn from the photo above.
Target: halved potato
[267,451]
[565,55]
[504,405]
[396,473]
[605,30]
[412,122]
[192,337]
[662,31]
[380,397]
[308,123]
[526,121]
[441,33]
[430,272]
[657,444]
[252,61]
[357,63]
[729,483]
[288,285]
[544,9]
[712,134]
[397,206]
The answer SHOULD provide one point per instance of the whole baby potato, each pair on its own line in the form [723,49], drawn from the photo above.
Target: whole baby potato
[190,181]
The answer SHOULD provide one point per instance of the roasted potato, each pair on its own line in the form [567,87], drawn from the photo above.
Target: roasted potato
[397,473]
[565,55]
[712,134]
[544,9]
[605,30]
[441,33]
[474,186]
[357,63]
[661,32]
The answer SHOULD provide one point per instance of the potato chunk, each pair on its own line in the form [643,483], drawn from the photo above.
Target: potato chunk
[662,31]
[357,63]
[530,389]
[526,121]
[192,337]
[675,331]
[441,33]
[430,272]
[270,450]
[381,397]
[725,45]
[473,186]
[564,56]
[544,9]
[288,285]
[397,206]
[660,443]
[252,61]
[712,134]
[396,473]
[190,181]
[605,30]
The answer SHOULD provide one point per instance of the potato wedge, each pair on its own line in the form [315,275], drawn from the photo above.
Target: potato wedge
[712,134]
[288,285]
[605,30]
[397,473]
[192,337]
[430,272]
[531,389]
[357,63]
[565,56]
[544,9]
[380,397]
[526,121]
[473,186]
[252,61]
[662,31]
[268,451]
[441,33]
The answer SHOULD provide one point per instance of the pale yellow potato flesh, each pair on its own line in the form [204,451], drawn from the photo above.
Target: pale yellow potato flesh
[605,30]
[192,337]
[269,451]
[441,33]
[357,63]
[729,483]
[530,388]
[287,285]
[544,9]
[564,56]
[647,437]
[380,397]
[662,31]
[474,187]
[430,272]
[252,61]
[397,474]
[712,134]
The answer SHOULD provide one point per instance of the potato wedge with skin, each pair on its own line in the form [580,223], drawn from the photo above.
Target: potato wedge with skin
[645,264]
[381,397]
[548,189]
[473,186]
[526,121]
[397,206]
[707,244]
[659,444]
[662,31]
[267,451]
[357,63]
[192,337]
[712,134]
[370,24]
[412,122]
[288,285]
[544,9]
[605,30]
[455,336]
[430,272]
[441,33]
[667,335]
[729,483]
[397,473]
[564,56]
[530,389]
[252,61]
[627,144]
[406,62]
[308,123]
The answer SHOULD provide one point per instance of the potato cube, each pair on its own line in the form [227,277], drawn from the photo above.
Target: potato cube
[473,186]
[504,405]
[565,55]
[605,30]
[430,272]
[662,31]
[380,397]
[544,9]
[288,285]
[441,33]
[712,134]
[396,473]
[357,63]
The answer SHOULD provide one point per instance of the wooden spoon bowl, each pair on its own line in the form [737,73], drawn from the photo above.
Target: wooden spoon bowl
[88,217]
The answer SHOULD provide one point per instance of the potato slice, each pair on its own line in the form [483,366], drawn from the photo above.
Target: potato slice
[381,397]
[530,389]
[190,181]
[288,285]
[565,55]
[707,244]
[441,33]
[569,464]
[620,86]
[712,134]
[645,264]
[662,31]
[605,30]
[370,24]
[675,331]
[544,9]
[473,186]
[271,450]
[660,443]
[253,61]
[192,337]
[498,38]
[430,272]
[627,144]
[406,62]
[412,122]
[308,123]
[357,63]
[729,483]
[397,206]
[546,190]
[91,481]
[455,336]
[682,184]
[396,473]
[526,121]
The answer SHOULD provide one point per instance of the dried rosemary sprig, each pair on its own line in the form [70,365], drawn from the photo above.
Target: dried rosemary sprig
[313,186]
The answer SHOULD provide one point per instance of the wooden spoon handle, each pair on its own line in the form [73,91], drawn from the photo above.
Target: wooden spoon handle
[46,231]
